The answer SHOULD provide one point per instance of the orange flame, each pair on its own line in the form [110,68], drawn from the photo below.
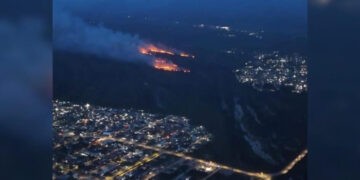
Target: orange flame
[168,66]
[186,55]
[151,49]
[163,64]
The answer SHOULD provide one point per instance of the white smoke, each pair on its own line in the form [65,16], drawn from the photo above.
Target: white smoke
[73,34]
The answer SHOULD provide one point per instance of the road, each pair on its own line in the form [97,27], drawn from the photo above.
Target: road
[122,172]
[260,175]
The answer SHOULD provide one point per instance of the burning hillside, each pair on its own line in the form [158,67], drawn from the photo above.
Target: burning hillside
[164,64]
[168,66]
[187,55]
[153,50]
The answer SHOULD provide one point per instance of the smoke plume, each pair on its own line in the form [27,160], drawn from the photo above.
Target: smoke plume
[73,34]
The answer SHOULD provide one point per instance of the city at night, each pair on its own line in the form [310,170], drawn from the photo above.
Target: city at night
[179,90]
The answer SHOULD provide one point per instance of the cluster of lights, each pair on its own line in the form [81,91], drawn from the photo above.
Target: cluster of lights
[232,31]
[271,71]
[92,142]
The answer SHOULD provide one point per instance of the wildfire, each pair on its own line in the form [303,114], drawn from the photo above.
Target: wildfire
[163,64]
[151,49]
[168,66]
[186,55]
